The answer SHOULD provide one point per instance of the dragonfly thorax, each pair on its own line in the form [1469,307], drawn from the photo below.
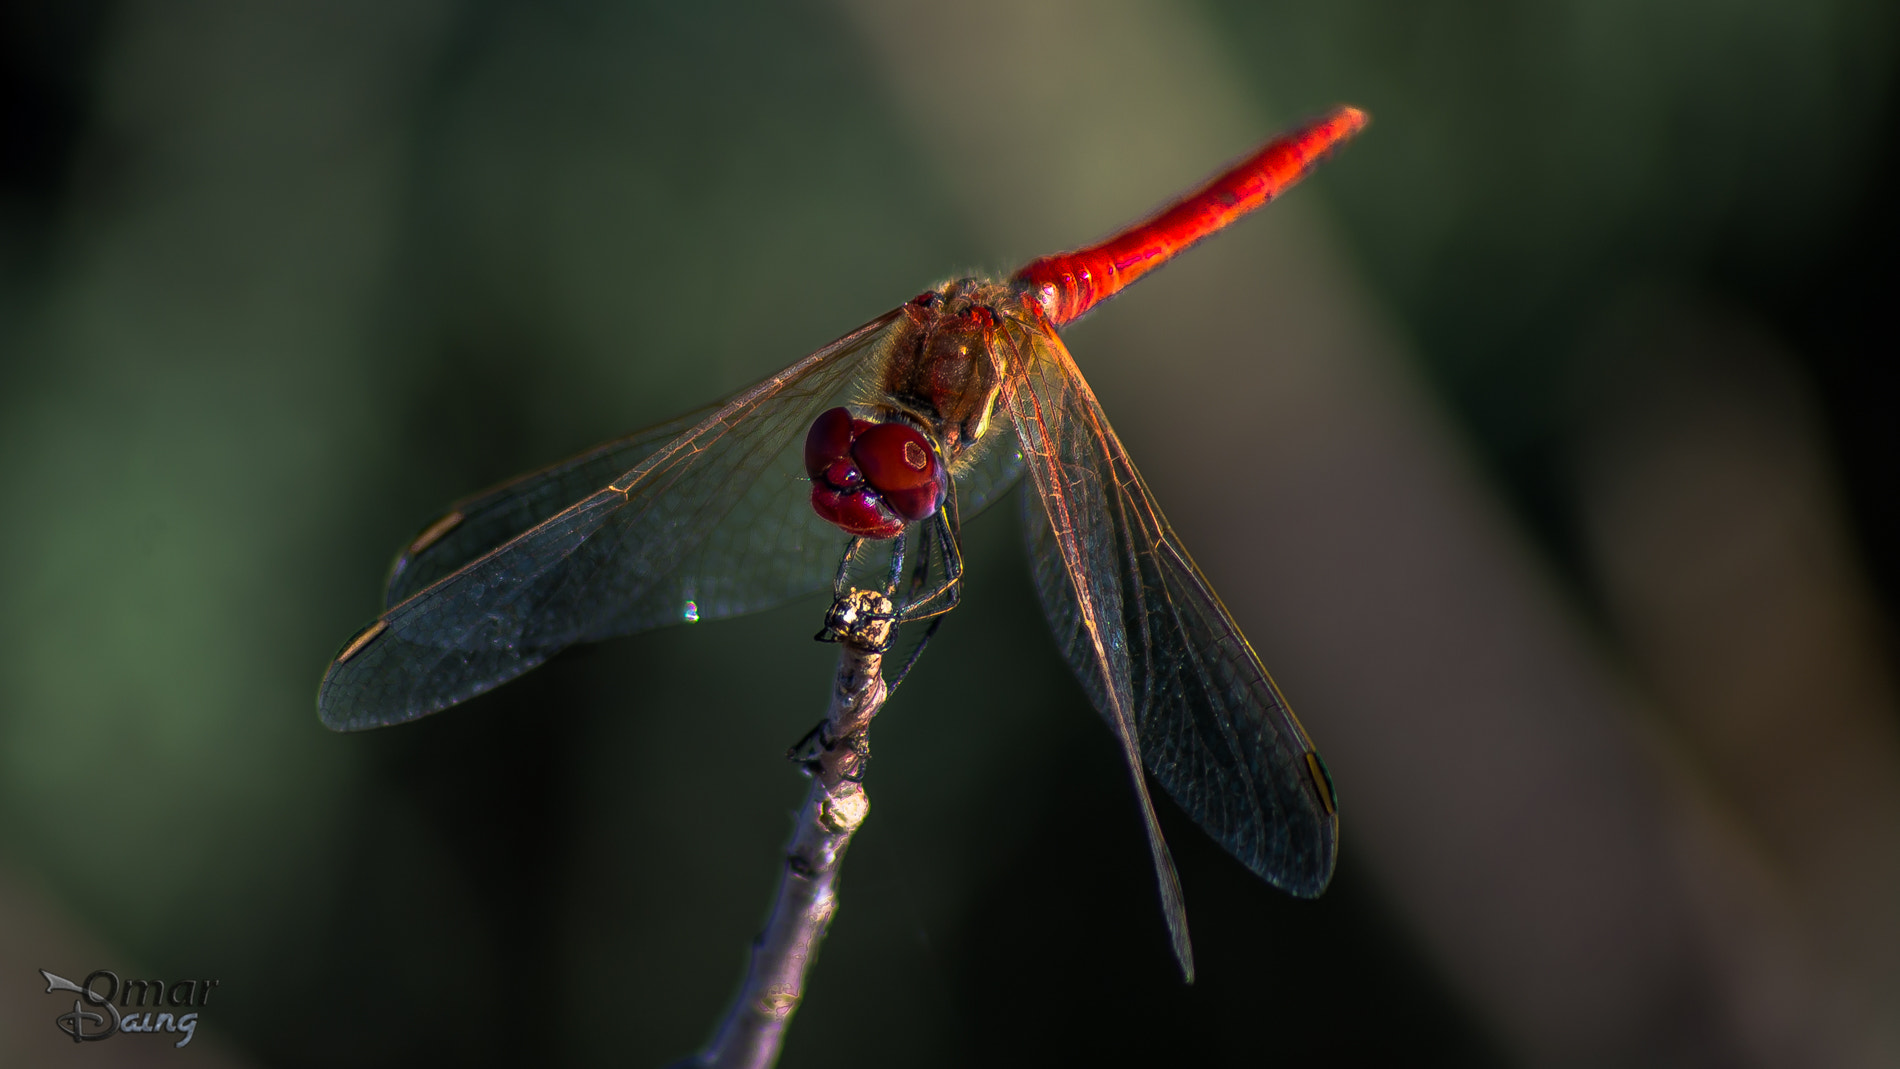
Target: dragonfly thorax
[945,369]
[937,389]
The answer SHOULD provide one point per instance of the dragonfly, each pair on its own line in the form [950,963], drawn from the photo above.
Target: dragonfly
[898,430]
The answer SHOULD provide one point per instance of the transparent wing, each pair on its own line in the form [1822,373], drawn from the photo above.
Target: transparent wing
[481,522]
[983,481]
[1154,648]
[717,516]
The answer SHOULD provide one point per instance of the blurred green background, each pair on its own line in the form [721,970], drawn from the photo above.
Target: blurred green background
[277,282]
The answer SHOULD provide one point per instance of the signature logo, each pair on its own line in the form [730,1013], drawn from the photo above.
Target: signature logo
[94,1017]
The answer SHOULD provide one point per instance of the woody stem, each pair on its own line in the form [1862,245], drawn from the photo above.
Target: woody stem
[753,1029]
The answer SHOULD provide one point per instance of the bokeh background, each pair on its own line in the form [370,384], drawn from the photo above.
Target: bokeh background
[1543,443]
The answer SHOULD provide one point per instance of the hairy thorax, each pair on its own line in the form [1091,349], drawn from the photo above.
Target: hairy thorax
[949,356]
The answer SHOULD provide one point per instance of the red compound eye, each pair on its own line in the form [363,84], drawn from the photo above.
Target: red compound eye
[828,440]
[872,478]
[898,463]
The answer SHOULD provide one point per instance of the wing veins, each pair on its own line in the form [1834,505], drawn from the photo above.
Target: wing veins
[750,398]
[1054,478]
[1159,536]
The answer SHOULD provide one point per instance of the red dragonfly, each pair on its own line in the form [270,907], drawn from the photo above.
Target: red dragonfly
[914,420]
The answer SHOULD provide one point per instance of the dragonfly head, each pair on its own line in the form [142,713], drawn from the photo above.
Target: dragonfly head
[872,479]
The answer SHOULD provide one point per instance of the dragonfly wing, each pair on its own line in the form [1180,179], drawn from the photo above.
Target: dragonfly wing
[1079,575]
[477,524]
[983,481]
[718,515]
[1156,651]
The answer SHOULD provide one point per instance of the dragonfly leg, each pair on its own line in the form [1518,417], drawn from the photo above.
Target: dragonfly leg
[916,652]
[897,566]
[918,576]
[951,589]
[841,591]
[841,583]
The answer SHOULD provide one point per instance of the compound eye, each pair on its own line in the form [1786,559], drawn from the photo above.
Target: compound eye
[872,478]
[829,439]
[893,457]
[899,464]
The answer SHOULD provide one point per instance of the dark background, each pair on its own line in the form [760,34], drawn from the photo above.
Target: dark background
[276,284]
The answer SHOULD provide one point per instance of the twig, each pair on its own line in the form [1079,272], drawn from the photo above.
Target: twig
[754,1026]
